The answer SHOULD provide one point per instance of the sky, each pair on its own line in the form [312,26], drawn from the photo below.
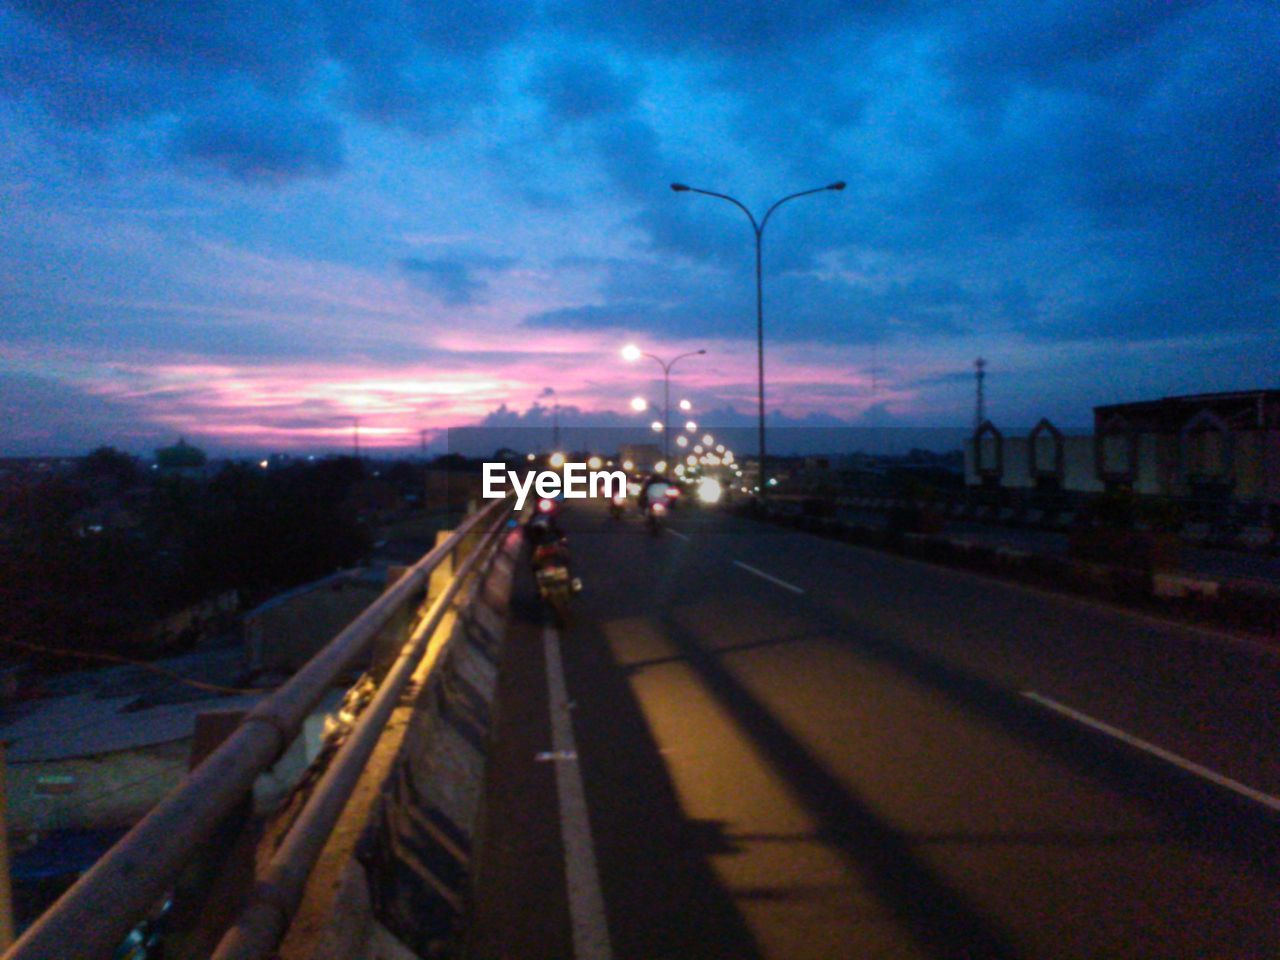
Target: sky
[251,223]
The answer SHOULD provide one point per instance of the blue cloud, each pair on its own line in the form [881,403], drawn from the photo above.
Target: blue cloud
[265,144]
[454,281]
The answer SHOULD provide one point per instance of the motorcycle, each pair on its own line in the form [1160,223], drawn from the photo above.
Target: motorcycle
[556,585]
[550,561]
[654,512]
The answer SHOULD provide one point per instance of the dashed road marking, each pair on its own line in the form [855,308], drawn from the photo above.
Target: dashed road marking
[1257,796]
[772,579]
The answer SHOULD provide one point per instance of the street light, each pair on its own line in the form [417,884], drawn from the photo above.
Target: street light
[631,353]
[758,226]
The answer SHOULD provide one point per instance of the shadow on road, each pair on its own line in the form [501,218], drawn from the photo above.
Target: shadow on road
[943,921]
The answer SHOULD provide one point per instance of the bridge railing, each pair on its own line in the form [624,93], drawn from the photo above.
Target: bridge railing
[92,918]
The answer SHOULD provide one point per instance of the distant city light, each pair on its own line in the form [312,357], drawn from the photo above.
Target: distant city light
[682,441]
[639,404]
[263,464]
[708,439]
[628,465]
[594,463]
[686,405]
[556,461]
[660,467]
[691,426]
[531,457]
[656,426]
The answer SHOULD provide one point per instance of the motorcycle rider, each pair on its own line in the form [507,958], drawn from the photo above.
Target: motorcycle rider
[548,542]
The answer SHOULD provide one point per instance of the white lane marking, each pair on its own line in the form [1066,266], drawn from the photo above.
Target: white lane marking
[772,579]
[1190,766]
[582,878]
[677,533]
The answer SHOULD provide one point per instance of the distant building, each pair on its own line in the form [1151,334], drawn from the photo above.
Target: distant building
[1219,447]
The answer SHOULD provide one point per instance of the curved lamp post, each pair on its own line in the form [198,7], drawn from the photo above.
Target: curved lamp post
[631,353]
[758,226]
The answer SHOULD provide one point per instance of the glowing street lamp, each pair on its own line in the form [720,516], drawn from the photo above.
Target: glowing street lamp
[656,427]
[758,227]
[639,404]
[631,353]
[685,405]
[691,426]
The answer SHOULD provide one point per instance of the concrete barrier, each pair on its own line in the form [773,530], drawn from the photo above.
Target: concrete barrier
[393,880]
[1247,604]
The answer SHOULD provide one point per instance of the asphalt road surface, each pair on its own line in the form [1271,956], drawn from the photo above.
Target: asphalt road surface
[752,742]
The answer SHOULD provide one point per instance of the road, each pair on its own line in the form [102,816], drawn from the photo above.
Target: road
[787,747]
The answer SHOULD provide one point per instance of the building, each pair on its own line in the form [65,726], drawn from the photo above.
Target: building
[1218,448]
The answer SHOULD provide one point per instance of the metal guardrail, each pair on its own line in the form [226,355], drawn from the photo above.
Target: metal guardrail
[97,913]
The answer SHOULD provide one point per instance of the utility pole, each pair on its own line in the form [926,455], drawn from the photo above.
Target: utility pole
[355,436]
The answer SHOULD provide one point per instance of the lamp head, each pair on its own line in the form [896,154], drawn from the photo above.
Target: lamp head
[838,185]
[679,187]
[631,352]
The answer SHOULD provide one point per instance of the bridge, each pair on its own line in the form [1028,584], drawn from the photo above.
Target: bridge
[749,741]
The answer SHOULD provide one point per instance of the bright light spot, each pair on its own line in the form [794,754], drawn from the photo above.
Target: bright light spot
[698,448]
[682,441]
[546,506]
[639,404]
[262,464]
[719,448]
[691,459]
[631,352]
[691,426]
[709,490]
[531,457]
[628,465]
[686,405]
[773,481]
[679,469]
[594,463]
[708,439]
[656,426]
[556,461]
[660,467]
